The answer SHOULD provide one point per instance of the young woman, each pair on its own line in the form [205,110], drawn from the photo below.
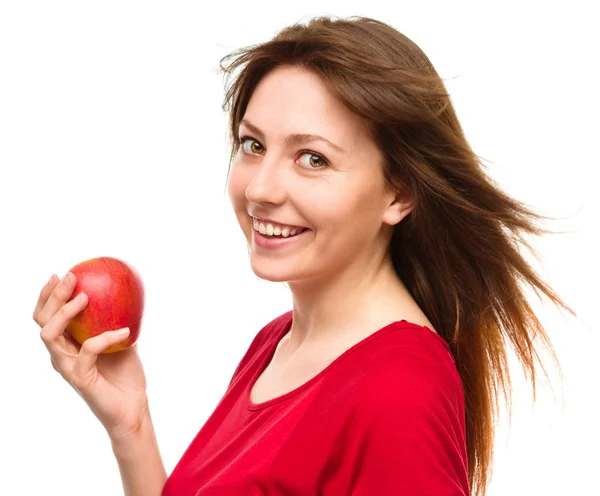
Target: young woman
[353,182]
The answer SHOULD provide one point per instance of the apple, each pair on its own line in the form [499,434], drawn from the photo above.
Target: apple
[115,300]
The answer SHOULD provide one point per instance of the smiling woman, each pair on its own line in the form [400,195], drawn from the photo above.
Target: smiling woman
[383,378]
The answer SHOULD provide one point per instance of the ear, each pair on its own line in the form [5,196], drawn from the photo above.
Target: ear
[399,206]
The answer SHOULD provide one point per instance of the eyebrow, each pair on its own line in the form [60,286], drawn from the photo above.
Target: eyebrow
[294,138]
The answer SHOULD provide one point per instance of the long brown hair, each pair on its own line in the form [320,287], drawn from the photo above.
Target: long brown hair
[457,252]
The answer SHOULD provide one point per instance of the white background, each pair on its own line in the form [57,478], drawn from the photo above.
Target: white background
[113,143]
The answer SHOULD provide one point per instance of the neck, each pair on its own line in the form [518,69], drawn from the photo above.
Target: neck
[360,298]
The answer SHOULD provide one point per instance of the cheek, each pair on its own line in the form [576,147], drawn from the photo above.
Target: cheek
[347,213]
[236,186]
[236,189]
[338,204]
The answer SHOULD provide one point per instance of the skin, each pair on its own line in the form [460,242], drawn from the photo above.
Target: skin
[342,280]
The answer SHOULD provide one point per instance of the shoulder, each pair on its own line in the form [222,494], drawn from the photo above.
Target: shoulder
[407,419]
[410,370]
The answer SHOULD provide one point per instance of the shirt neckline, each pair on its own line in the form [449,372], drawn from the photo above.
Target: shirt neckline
[269,356]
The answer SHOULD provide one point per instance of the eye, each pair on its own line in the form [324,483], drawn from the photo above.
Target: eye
[311,168]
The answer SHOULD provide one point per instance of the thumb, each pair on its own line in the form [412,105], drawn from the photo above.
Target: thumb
[92,347]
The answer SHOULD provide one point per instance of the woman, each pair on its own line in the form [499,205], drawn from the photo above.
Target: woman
[402,260]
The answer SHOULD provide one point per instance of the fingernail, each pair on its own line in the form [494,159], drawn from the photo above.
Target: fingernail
[51,279]
[67,278]
[123,332]
[80,297]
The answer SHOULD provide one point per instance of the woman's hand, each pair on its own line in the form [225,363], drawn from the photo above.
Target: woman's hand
[113,385]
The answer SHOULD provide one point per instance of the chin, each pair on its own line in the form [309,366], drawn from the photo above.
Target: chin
[271,270]
[269,275]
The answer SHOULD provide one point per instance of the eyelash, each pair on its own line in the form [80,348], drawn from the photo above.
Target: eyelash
[243,139]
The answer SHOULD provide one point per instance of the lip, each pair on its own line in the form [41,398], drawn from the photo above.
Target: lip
[264,220]
[260,240]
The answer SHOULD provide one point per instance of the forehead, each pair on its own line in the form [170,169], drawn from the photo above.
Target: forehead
[289,100]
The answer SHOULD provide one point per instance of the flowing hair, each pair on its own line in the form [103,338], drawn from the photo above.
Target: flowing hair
[458,250]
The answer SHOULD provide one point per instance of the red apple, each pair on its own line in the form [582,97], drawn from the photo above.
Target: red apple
[115,300]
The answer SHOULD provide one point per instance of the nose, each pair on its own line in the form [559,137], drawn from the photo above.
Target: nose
[267,183]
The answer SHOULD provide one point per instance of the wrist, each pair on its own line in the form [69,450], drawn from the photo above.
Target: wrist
[132,424]
[141,432]
[138,457]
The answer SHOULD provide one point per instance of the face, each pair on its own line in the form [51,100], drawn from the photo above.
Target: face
[339,195]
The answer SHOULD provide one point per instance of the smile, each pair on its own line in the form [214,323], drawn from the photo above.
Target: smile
[266,241]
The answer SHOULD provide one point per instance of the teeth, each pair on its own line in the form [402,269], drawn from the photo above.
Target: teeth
[269,230]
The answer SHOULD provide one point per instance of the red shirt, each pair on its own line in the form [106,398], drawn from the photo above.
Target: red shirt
[387,417]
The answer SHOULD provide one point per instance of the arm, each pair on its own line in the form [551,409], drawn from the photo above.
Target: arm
[141,466]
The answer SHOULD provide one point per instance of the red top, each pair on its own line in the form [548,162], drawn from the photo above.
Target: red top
[386,417]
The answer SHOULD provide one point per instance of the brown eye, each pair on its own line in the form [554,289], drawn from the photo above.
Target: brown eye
[245,139]
[311,161]
[253,144]
[312,167]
